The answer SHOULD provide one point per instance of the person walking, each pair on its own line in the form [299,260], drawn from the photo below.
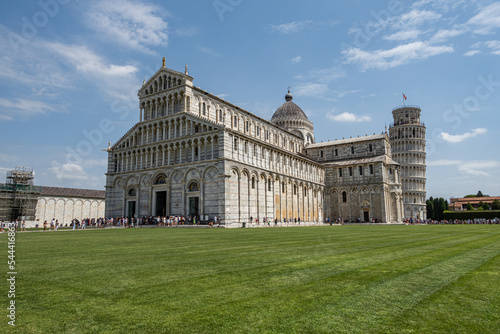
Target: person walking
[23,226]
[44,226]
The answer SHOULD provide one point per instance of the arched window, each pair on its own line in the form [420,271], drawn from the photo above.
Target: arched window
[253,182]
[194,186]
[269,188]
[344,197]
[132,192]
[161,180]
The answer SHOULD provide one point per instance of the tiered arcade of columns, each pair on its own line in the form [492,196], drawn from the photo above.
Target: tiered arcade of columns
[407,136]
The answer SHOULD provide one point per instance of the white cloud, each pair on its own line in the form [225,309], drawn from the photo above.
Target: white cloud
[346,92]
[487,19]
[445,34]
[445,6]
[136,25]
[69,172]
[10,109]
[400,55]
[292,27]
[324,75]
[87,61]
[296,60]
[471,53]
[474,167]
[417,17]
[493,47]
[460,138]
[347,117]
[404,35]
[186,31]
[311,89]
[47,69]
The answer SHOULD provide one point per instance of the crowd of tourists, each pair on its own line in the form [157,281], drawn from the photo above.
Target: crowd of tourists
[462,222]
[19,226]
[126,222]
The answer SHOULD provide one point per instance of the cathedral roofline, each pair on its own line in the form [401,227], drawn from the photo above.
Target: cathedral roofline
[268,122]
[349,140]
[355,161]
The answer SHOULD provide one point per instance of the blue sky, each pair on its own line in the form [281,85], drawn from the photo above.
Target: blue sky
[70,71]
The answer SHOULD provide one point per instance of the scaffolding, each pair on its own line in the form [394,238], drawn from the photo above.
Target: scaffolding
[19,195]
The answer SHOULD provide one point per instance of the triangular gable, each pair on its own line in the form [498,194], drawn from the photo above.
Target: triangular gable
[157,77]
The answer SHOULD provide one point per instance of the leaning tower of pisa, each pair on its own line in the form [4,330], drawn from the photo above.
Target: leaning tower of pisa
[407,136]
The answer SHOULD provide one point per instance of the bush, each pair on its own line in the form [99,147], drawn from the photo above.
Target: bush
[465,215]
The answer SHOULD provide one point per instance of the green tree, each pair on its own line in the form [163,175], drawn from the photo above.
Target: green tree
[469,207]
[484,205]
[495,205]
[479,194]
[469,196]
[442,207]
[430,208]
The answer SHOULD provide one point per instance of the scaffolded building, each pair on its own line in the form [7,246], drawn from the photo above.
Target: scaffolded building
[19,195]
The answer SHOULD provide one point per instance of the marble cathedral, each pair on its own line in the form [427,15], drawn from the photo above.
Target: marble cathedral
[193,153]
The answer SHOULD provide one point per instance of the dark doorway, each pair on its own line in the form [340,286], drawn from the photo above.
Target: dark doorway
[367,216]
[161,203]
[131,209]
[194,206]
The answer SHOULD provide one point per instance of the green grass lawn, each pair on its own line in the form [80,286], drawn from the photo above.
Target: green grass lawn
[340,279]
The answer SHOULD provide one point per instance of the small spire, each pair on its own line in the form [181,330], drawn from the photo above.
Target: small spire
[163,62]
[186,70]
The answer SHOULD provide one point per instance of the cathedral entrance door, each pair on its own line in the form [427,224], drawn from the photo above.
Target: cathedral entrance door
[161,203]
[131,209]
[194,206]
[367,216]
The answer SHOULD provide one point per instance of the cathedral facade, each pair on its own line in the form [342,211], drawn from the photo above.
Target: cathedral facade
[195,154]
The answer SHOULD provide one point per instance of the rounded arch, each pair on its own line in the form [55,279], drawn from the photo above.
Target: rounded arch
[210,172]
[193,185]
[131,180]
[192,172]
[255,174]
[158,174]
[246,172]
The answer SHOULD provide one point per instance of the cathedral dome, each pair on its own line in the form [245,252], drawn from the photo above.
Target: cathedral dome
[290,117]
[289,110]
